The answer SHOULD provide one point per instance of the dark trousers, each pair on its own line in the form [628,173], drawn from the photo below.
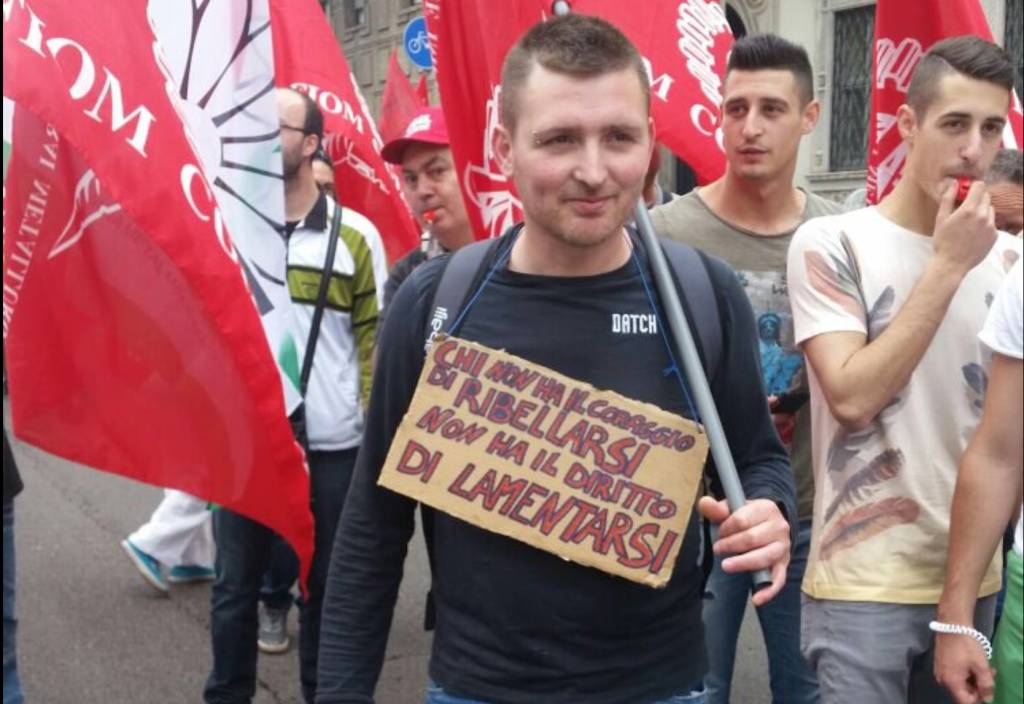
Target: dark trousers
[243,553]
[278,580]
[12,682]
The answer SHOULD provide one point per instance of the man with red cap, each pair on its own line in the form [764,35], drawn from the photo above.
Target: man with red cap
[431,186]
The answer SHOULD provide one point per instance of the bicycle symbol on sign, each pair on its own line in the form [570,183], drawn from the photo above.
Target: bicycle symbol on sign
[419,43]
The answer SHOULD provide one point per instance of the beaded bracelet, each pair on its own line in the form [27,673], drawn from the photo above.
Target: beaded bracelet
[958,630]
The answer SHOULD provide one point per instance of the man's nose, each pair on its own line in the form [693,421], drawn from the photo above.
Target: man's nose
[424,188]
[591,169]
[753,124]
[972,147]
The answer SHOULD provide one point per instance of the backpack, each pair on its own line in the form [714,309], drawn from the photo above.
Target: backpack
[467,267]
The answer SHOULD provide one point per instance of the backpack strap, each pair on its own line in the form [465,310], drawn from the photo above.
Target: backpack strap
[697,293]
[696,289]
[465,268]
[461,271]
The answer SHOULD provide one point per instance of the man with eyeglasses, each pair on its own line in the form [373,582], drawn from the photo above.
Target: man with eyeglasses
[334,400]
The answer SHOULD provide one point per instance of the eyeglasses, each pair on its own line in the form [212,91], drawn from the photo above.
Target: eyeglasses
[292,127]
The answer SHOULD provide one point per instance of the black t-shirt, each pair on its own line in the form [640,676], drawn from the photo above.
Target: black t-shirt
[514,623]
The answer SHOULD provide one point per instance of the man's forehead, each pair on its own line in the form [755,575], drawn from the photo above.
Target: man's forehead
[616,100]
[769,83]
[542,82]
[288,99]
[957,94]
[420,155]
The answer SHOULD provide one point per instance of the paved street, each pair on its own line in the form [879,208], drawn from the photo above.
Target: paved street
[92,632]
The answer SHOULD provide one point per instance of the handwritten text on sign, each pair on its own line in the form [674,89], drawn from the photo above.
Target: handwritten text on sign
[524,451]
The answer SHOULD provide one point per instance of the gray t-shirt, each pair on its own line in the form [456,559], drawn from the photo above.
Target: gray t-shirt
[760,263]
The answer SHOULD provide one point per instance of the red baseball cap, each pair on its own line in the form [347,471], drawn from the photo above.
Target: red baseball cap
[427,126]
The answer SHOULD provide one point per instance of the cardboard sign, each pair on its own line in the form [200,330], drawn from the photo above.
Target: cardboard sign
[518,449]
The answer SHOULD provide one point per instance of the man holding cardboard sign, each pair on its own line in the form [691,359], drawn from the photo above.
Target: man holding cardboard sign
[547,433]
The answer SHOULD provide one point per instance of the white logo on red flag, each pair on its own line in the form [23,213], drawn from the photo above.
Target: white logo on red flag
[486,185]
[896,63]
[89,206]
[343,153]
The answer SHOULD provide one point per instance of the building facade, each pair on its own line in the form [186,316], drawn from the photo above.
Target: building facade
[837,34]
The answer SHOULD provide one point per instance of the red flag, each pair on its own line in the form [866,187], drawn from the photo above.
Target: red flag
[684,42]
[904,31]
[468,41]
[307,57]
[132,342]
[685,45]
[423,91]
[398,103]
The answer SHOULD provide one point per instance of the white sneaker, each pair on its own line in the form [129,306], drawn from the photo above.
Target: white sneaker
[273,633]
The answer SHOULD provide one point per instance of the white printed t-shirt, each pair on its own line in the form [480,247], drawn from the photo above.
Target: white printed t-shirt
[1004,333]
[883,495]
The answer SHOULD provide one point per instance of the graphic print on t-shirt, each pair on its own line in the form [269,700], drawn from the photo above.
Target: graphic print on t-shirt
[975,375]
[881,515]
[782,365]
[853,517]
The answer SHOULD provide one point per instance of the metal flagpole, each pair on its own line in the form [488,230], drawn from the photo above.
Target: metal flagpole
[697,381]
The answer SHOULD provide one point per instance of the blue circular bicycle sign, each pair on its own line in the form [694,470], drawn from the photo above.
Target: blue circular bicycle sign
[416,43]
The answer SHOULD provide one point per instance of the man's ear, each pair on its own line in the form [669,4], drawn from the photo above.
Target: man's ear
[501,146]
[809,119]
[310,143]
[906,122]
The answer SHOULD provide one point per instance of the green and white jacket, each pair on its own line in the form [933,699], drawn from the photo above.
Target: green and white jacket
[339,384]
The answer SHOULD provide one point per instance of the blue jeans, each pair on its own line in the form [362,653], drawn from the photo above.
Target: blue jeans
[792,681]
[437,695]
[244,550]
[12,683]
[276,585]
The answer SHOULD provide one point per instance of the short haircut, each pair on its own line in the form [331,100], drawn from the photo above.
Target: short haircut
[758,52]
[314,122]
[1008,167]
[313,119]
[578,45]
[968,55]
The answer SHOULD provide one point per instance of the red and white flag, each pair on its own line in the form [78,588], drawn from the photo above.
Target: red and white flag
[904,31]
[685,44]
[133,342]
[398,103]
[307,57]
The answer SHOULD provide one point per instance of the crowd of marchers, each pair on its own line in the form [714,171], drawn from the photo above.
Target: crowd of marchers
[868,379]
